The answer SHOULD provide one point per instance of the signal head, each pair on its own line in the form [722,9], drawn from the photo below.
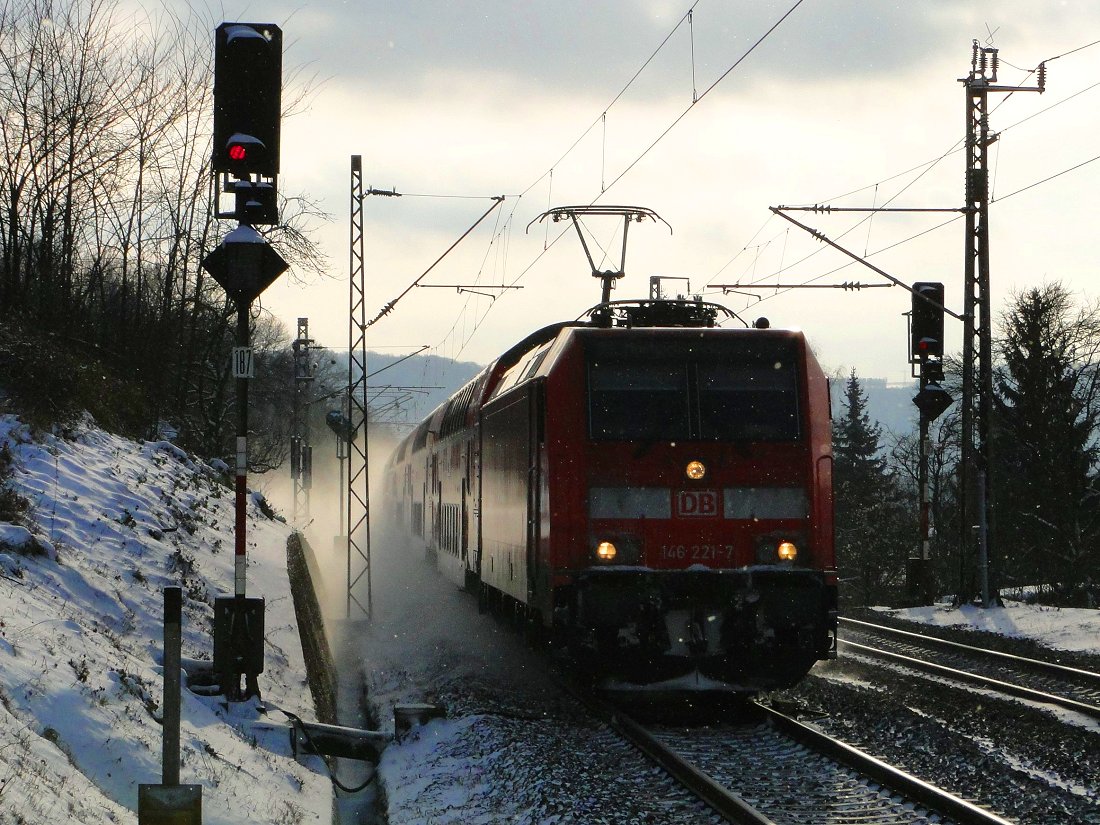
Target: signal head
[927,320]
[248,67]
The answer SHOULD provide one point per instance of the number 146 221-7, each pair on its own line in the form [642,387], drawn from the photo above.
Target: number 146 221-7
[697,552]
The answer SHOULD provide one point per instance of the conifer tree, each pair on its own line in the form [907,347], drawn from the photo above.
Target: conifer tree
[871,526]
[1046,405]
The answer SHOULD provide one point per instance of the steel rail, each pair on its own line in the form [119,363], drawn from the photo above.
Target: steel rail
[1050,668]
[731,807]
[930,796]
[734,809]
[720,799]
[973,678]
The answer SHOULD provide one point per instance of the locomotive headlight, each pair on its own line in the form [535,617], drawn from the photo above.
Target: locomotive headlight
[782,549]
[695,470]
[616,548]
[787,551]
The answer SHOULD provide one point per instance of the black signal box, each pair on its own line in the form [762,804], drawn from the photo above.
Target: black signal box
[255,203]
[927,321]
[238,635]
[248,91]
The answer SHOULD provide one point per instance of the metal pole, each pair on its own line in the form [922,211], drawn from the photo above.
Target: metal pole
[170,752]
[238,634]
[967,503]
[358,500]
[239,565]
[922,588]
[242,460]
[977,474]
[983,546]
[341,455]
[986,477]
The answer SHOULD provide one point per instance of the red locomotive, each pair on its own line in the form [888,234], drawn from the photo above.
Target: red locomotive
[651,489]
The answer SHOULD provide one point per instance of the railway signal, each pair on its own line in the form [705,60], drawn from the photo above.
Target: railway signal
[927,331]
[341,425]
[932,400]
[248,68]
[248,83]
[244,265]
[301,449]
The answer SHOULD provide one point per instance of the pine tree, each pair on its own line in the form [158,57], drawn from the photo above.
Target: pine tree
[1047,520]
[871,525]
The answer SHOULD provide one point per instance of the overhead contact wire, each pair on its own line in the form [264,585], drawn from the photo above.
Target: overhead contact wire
[497,201]
[707,91]
[659,138]
[614,100]
[929,165]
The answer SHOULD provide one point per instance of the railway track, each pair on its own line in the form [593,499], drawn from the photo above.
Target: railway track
[1047,683]
[771,769]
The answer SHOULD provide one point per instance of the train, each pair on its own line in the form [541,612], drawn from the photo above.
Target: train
[645,487]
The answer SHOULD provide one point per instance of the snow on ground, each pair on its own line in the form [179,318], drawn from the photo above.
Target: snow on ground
[111,523]
[1059,628]
[426,642]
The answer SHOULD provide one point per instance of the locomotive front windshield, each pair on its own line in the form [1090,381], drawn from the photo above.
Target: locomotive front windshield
[716,390]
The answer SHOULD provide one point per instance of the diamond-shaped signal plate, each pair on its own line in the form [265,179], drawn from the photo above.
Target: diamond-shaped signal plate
[244,269]
[932,401]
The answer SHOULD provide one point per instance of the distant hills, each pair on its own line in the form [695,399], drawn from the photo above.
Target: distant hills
[405,391]
[888,403]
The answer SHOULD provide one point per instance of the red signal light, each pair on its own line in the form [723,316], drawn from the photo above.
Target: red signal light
[237,152]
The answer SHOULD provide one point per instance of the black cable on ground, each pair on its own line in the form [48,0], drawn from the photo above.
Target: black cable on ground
[297,722]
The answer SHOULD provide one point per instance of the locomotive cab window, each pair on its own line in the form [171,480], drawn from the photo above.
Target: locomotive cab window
[637,400]
[756,401]
[716,390]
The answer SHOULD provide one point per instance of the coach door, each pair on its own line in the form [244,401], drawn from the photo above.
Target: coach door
[467,475]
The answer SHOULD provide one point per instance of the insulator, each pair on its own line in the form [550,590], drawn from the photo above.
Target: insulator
[1042,77]
[996,64]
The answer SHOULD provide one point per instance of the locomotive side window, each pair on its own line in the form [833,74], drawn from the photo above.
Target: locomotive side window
[637,399]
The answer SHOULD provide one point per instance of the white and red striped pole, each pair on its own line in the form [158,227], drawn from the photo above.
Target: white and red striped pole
[239,558]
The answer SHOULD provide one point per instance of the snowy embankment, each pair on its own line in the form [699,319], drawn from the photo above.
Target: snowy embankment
[112,522]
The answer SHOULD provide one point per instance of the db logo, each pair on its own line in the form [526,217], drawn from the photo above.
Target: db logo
[697,503]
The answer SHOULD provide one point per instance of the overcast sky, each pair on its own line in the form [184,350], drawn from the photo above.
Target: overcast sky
[844,98]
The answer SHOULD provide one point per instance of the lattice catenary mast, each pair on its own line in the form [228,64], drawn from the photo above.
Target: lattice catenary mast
[358,495]
[975,481]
